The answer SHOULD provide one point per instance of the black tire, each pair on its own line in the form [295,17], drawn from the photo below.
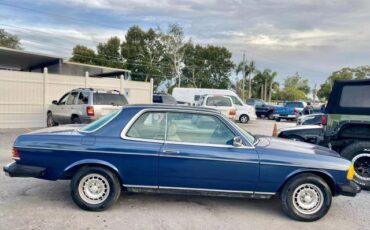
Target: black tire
[109,187]
[50,120]
[270,116]
[244,119]
[76,120]
[302,184]
[295,138]
[278,119]
[359,154]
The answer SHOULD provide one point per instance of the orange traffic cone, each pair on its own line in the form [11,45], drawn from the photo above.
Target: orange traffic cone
[275,131]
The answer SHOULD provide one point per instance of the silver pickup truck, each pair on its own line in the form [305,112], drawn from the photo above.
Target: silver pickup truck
[84,105]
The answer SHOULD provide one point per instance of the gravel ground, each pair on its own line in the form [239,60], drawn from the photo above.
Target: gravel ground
[27,203]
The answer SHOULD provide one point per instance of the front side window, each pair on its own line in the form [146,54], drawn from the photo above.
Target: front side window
[62,100]
[72,98]
[356,96]
[197,129]
[150,126]
[218,101]
[235,100]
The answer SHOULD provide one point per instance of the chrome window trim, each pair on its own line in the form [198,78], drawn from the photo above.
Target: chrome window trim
[140,186]
[100,127]
[134,118]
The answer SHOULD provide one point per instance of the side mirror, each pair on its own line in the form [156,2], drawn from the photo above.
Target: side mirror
[55,102]
[237,141]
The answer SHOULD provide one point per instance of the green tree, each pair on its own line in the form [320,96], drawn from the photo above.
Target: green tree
[247,68]
[293,94]
[85,55]
[9,40]
[297,82]
[109,53]
[324,91]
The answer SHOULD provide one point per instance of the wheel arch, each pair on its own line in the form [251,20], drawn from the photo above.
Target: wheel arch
[320,173]
[70,170]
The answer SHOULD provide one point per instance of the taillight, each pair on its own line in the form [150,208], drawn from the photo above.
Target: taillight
[90,110]
[15,154]
[232,112]
[296,110]
[324,120]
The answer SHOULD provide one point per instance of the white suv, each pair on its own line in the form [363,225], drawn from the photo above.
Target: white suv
[226,105]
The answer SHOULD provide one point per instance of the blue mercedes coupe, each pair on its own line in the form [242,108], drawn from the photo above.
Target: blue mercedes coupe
[182,150]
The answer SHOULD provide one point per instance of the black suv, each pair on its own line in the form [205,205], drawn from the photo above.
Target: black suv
[262,109]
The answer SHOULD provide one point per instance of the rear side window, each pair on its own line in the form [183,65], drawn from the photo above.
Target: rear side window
[83,98]
[109,99]
[218,101]
[99,123]
[356,96]
[150,126]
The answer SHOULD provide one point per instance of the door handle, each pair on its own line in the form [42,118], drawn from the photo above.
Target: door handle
[171,151]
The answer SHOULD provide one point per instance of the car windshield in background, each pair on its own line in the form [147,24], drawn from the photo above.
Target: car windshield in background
[168,99]
[218,101]
[109,99]
[99,123]
[294,104]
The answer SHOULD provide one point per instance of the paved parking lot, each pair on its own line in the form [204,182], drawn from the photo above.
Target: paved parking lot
[27,203]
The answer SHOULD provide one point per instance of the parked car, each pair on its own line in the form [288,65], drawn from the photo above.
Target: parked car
[262,108]
[226,106]
[164,99]
[84,105]
[178,149]
[306,133]
[290,111]
[312,119]
[346,126]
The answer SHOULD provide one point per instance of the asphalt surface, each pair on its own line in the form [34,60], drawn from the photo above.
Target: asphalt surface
[27,203]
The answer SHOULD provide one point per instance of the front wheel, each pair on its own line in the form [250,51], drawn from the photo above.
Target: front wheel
[95,188]
[359,154]
[244,119]
[50,120]
[306,197]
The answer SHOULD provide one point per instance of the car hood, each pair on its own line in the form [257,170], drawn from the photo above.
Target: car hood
[285,145]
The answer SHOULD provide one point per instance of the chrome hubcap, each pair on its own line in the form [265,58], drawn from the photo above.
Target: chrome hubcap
[244,119]
[361,163]
[94,188]
[307,199]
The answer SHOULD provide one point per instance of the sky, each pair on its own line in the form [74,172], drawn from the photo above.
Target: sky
[313,38]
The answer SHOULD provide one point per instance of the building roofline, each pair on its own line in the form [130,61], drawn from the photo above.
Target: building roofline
[95,66]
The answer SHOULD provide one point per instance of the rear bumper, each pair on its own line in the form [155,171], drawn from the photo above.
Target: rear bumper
[290,116]
[350,189]
[17,170]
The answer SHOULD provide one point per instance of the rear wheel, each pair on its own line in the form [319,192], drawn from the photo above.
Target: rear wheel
[359,154]
[76,120]
[278,119]
[244,119]
[270,116]
[306,197]
[95,188]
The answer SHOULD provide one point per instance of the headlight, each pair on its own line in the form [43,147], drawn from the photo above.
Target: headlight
[350,172]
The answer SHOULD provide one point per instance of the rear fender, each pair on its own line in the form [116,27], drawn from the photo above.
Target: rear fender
[94,162]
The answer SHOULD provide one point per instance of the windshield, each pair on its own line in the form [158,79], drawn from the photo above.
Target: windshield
[99,123]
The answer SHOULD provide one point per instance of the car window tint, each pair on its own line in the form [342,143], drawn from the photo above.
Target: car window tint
[356,96]
[63,99]
[83,98]
[150,125]
[218,101]
[72,98]
[258,102]
[198,129]
[294,104]
[196,97]
[99,123]
[109,99]
[157,99]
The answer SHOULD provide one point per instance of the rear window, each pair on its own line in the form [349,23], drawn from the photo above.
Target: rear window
[100,122]
[218,101]
[109,99]
[357,96]
[157,99]
[294,104]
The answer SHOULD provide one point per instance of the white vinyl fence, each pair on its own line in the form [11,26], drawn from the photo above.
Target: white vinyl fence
[25,96]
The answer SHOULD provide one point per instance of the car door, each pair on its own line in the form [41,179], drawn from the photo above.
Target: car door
[58,109]
[260,109]
[69,108]
[143,141]
[198,154]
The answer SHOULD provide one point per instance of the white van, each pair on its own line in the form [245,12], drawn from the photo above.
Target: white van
[192,96]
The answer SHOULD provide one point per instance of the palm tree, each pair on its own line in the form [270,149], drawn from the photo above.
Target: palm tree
[271,81]
[247,68]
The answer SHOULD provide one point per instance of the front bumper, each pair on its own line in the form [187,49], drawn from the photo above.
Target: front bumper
[350,189]
[17,170]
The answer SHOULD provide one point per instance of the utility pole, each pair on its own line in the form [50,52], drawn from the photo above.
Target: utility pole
[243,89]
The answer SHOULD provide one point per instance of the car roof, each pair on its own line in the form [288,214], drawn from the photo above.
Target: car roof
[172,107]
